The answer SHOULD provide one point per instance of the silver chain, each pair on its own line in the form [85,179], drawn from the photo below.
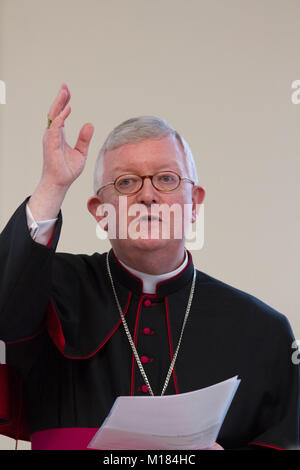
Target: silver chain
[187,311]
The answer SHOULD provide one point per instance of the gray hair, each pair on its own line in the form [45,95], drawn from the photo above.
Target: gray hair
[136,130]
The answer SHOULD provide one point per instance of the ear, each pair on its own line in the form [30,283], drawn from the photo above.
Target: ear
[198,196]
[93,205]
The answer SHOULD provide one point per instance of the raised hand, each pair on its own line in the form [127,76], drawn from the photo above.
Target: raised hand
[63,164]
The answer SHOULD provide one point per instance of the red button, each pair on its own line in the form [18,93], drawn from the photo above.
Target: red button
[147,303]
[147,331]
[146,359]
[144,388]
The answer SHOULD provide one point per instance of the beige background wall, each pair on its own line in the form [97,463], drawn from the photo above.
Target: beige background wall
[219,71]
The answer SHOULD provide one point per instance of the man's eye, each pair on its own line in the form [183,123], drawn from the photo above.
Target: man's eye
[128,181]
[166,178]
[125,182]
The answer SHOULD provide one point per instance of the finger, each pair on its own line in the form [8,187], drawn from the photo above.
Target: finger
[217,446]
[60,102]
[60,119]
[84,138]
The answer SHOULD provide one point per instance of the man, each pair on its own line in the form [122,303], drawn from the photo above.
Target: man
[78,328]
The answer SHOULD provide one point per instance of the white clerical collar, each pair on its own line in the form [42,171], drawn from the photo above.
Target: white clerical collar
[150,280]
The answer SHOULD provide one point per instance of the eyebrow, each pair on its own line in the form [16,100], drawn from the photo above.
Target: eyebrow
[127,171]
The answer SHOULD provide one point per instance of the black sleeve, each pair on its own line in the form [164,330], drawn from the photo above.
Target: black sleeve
[25,277]
[280,428]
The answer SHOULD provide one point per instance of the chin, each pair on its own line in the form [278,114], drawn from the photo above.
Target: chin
[156,244]
[127,245]
[150,244]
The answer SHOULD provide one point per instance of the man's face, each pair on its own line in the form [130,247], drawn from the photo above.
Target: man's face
[148,158]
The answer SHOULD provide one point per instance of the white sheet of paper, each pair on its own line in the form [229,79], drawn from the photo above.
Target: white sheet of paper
[185,421]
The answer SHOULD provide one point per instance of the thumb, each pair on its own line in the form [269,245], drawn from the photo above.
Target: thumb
[84,138]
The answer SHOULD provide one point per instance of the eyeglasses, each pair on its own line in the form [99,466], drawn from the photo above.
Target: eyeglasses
[164,181]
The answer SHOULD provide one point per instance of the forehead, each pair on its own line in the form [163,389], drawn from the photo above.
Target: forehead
[145,157]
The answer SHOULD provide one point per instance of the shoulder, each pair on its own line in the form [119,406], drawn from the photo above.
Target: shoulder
[238,304]
[80,260]
[82,268]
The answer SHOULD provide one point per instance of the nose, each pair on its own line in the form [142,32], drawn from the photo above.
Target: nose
[147,194]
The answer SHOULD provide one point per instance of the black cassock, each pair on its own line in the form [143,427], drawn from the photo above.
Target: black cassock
[65,338]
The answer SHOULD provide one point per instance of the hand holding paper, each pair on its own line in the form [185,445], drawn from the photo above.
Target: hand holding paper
[185,421]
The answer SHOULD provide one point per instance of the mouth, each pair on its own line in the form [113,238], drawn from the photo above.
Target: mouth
[149,218]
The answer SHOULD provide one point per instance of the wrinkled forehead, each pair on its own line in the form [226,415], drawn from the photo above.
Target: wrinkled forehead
[145,157]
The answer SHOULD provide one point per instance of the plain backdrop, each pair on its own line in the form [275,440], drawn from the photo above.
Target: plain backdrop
[219,71]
